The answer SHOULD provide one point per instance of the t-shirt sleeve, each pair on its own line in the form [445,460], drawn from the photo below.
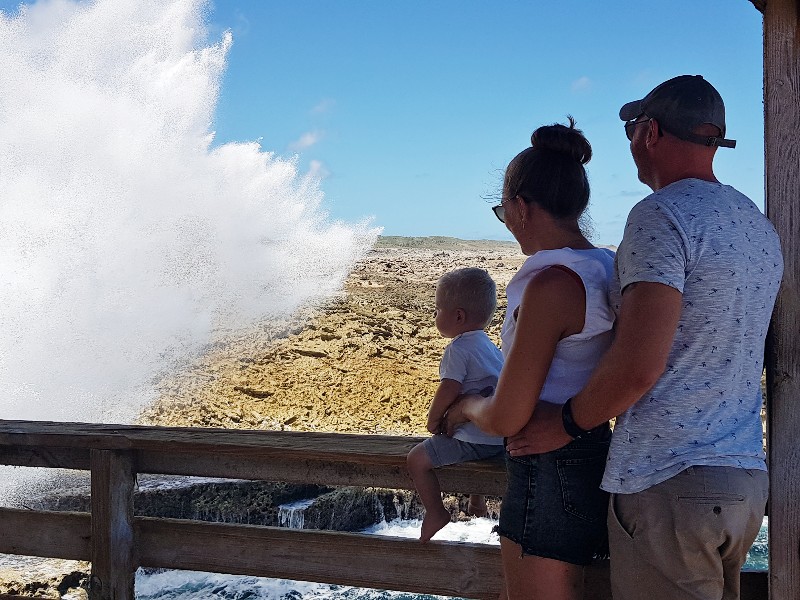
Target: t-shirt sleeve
[653,248]
[454,363]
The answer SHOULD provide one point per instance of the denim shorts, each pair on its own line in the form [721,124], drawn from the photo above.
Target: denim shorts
[443,450]
[553,506]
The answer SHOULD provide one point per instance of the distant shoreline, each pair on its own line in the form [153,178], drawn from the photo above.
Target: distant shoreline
[437,242]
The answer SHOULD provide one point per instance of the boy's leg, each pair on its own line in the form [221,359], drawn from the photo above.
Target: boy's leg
[477,502]
[420,467]
[477,505]
[686,537]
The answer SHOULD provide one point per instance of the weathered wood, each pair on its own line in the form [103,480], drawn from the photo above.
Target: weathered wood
[45,533]
[782,176]
[484,477]
[445,568]
[368,449]
[761,5]
[471,570]
[302,555]
[54,458]
[255,456]
[113,561]
[292,457]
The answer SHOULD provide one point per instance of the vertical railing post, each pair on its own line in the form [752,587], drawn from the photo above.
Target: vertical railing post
[113,556]
[782,178]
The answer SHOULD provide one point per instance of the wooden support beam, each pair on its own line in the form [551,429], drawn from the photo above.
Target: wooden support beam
[482,477]
[47,534]
[54,458]
[113,560]
[342,558]
[782,179]
[323,556]
[291,457]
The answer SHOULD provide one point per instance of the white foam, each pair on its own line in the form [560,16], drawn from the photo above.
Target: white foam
[128,239]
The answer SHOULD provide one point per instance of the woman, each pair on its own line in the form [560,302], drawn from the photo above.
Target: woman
[557,326]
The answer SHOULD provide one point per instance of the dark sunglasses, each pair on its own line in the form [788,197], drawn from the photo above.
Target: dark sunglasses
[500,212]
[630,125]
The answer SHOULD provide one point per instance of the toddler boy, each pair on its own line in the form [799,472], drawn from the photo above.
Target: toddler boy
[465,302]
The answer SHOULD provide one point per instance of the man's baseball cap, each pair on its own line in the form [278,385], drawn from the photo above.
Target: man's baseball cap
[681,104]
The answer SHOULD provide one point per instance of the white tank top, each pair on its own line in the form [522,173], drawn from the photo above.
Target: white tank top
[577,355]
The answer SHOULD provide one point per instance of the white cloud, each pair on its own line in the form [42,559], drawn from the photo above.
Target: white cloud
[318,169]
[323,106]
[306,140]
[581,84]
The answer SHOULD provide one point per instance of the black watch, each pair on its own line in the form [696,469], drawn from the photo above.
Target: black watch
[570,426]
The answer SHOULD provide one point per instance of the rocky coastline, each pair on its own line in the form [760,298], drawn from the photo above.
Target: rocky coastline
[365,362]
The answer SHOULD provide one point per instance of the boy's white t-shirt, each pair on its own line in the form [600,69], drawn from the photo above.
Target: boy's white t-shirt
[474,361]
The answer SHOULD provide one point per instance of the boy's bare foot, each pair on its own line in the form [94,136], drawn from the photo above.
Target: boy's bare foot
[433,521]
[477,506]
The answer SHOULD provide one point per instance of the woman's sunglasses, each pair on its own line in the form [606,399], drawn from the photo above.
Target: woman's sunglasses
[500,212]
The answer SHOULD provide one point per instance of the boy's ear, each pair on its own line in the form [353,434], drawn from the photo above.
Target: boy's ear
[461,315]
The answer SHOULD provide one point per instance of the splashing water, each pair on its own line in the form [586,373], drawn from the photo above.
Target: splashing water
[126,237]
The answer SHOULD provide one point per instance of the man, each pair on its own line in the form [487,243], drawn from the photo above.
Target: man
[699,268]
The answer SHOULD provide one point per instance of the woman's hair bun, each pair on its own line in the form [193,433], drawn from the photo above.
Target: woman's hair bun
[563,139]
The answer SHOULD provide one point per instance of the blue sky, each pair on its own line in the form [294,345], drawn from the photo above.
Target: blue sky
[410,110]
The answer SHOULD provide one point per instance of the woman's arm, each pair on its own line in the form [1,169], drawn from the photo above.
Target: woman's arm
[553,307]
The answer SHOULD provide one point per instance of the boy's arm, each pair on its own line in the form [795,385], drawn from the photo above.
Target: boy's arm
[446,394]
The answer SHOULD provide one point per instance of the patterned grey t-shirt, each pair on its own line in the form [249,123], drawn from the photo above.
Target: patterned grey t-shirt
[711,243]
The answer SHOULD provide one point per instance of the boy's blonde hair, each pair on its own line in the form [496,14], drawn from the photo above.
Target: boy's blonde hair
[471,289]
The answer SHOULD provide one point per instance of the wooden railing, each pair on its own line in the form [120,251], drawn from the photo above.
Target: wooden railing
[117,542]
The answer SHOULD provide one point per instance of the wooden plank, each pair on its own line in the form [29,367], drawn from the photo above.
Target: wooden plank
[302,555]
[484,477]
[782,177]
[293,457]
[52,457]
[447,568]
[371,449]
[113,560]
[45,533]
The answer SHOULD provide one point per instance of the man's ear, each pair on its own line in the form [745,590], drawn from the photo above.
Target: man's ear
[653,129]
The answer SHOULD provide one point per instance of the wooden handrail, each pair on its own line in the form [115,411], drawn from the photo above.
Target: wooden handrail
[117,542]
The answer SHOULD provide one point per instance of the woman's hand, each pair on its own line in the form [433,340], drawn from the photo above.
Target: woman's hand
[543,433]
[436,426]
[455,415]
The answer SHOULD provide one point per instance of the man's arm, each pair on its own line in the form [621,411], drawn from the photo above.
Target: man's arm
[446,394]
[633,364]
[638,356]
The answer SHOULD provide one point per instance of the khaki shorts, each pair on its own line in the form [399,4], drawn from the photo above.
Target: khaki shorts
[688,537]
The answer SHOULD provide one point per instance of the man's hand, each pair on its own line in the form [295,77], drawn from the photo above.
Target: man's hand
[543,433]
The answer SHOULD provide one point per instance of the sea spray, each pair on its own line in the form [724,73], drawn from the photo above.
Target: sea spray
[127,237]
